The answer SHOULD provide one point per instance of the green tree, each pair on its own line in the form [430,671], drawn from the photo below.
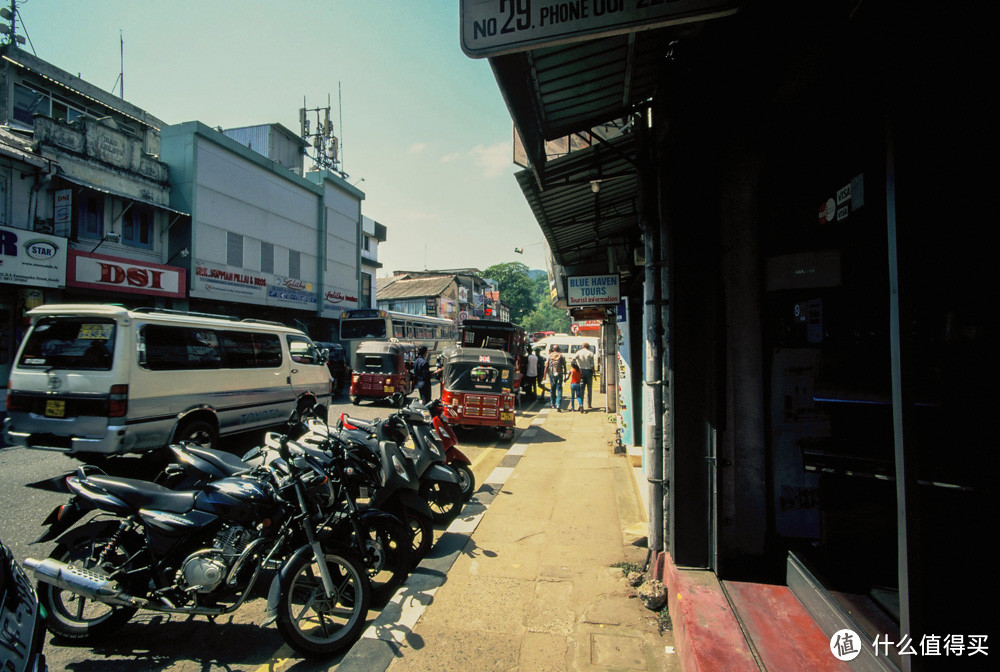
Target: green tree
[516,288]
[545,316]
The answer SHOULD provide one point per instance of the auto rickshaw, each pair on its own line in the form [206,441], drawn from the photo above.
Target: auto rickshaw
[477,389]
[383,371]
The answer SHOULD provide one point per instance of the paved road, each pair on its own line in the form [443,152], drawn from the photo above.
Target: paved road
[159,641]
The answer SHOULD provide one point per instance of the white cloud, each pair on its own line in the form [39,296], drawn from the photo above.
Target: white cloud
[494,160]
[417,147]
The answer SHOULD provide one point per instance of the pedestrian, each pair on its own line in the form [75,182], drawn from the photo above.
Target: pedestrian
[541,370]
[530,376]
[575,388]
[422,374]
[555,370]
[585,359]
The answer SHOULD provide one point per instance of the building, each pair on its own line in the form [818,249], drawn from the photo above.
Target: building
[801,246]
[372,234]
[261,235]
[475,296]
[84,197]
[435,295]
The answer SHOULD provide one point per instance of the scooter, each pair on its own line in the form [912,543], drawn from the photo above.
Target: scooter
[439,483]
[453,457]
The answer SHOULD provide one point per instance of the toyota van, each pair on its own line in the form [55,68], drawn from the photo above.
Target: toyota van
[104,380]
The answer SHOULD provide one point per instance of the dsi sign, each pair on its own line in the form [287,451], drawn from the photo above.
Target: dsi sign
[591,290]
[30,258]
[114,274]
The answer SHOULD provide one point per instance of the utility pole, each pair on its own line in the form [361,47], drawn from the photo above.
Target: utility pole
[11,30]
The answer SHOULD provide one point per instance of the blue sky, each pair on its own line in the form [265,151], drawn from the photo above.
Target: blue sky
[423,125]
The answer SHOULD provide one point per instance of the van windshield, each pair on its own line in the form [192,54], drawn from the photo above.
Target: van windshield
[70,343]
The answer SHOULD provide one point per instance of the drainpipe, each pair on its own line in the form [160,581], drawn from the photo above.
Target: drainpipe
[40,183]
[652,390]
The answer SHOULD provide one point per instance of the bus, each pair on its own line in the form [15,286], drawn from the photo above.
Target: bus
[496,335]
[370,324]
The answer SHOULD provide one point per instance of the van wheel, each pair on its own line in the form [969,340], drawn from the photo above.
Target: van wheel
[201,432]
[355,400]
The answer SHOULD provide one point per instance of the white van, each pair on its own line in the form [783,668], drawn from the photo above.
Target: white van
[569,345]
[104,380]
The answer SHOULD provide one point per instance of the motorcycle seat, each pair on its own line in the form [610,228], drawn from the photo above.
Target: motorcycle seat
[226,463]
[143,494]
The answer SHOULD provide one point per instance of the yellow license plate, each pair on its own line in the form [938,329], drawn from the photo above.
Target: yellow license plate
[506,416]
[55,408]
[388,388]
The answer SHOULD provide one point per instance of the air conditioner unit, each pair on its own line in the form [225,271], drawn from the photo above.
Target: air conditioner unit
[113,238]
[639,256]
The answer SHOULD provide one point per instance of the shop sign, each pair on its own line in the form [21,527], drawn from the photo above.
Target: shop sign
[116,274]
[493,27]
[63,212]
[225,283]
[590,290]
[32,258]
[291,292]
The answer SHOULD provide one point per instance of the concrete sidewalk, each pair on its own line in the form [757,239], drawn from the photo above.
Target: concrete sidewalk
[523,581]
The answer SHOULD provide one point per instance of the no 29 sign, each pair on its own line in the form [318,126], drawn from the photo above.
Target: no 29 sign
[493,27]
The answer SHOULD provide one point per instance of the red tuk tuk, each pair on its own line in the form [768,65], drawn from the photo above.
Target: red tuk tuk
[382,372]
[477,389]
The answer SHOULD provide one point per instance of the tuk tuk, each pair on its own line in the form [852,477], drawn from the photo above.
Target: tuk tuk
[477,389]
[383,371]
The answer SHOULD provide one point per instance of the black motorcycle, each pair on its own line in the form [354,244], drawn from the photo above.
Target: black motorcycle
[200,552]
[22,626]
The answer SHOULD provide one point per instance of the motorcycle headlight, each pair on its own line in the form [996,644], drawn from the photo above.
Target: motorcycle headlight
[400,469]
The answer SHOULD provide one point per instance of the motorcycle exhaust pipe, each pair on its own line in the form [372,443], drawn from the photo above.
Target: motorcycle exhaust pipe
[81,581]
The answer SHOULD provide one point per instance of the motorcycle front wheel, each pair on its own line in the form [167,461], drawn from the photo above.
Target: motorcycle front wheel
[466,479]
[386,553]
[313,623]
[445,499]
[73,616]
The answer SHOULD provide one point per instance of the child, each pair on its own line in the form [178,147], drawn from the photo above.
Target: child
[576,388]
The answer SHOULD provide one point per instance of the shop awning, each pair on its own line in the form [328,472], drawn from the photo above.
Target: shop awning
[587,209]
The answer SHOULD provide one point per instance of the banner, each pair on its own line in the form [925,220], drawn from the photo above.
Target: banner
[30,258]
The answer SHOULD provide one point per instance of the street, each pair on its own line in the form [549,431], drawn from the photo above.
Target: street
[234,642]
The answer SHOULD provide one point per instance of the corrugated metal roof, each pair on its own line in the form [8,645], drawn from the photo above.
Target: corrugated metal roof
[555,91]
[412,289]
[583,226]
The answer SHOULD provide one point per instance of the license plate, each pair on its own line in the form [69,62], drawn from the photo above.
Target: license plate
[55,408]
[388,388]
[507,416]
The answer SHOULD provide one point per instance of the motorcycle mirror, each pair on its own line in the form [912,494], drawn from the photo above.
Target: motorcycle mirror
[251,454]
[294,418]
[283,450]
[320,411]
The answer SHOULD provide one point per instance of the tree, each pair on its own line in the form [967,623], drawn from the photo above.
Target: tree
[515,288]
[545,316]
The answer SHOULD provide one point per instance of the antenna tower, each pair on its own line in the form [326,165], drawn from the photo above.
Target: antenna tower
[323,144]
[10,30]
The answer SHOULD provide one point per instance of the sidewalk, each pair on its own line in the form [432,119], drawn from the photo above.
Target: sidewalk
[523,580]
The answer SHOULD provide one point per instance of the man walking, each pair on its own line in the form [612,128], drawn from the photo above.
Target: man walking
[555,369]
[422,374]
[585,360]
[530,376]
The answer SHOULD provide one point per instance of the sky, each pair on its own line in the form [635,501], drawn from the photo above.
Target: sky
[423,128]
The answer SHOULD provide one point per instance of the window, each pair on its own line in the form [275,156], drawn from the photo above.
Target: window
[302,351]
[29,102]
[163,348]
[65,111]
[234,249]
[367,244]
[137,227]
[294,264]
[90,215]
[244,350]
[366,290]
[267,257]
[70,343]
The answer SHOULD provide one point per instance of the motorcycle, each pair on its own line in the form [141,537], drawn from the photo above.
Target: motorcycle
[453,457]
[200,552]
[376,471]
[22,623]
[439,483]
